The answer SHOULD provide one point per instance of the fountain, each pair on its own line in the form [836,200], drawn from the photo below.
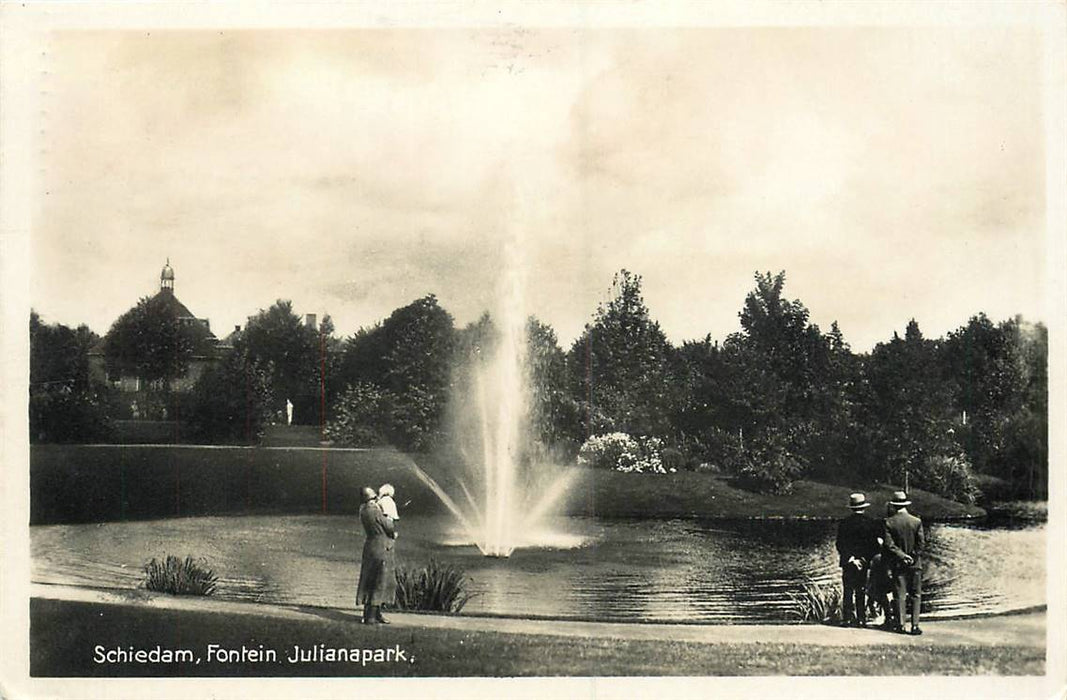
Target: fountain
[501,502]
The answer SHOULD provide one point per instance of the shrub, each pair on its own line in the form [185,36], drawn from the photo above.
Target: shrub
[360,416]
[816,602]
[62,413]
[673,459]
[414,421]
[623,453]
[715,446]
[231,401]
[179,577]
[436,587]
[948,476]
[769,465]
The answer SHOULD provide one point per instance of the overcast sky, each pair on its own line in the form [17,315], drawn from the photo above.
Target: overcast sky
[892,173]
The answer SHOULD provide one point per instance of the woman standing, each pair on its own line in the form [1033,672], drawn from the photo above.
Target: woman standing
[377,580]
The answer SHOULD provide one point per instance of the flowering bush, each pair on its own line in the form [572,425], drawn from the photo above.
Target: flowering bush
[623,453]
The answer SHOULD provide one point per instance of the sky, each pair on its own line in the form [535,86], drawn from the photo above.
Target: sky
[891,172]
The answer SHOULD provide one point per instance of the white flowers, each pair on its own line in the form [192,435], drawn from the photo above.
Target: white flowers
[623,453]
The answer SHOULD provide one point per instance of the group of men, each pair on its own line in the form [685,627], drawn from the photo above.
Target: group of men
[881,556]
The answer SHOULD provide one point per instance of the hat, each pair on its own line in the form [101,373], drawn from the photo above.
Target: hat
[367,494]
[386,490]
[857,501]
[899,499]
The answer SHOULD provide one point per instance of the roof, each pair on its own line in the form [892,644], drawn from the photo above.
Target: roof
[166,299]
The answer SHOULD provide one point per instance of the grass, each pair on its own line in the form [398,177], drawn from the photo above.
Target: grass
[63,635]
[179,577]
[78,483]
[1025,511]
[435,587]
[689,494]
[817,602]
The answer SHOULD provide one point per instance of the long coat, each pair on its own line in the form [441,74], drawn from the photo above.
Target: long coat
[377,578]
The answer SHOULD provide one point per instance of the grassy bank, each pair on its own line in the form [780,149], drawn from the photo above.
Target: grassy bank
[78,483]
[689,494]
[63,636]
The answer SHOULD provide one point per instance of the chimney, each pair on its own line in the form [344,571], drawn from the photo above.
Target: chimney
[310,320]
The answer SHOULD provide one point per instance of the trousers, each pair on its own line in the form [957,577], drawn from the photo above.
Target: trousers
[908,580]
[854,585]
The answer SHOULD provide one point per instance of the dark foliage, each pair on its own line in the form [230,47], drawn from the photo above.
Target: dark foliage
[180,577]
[297,357]
[409,357]
[231,401]
[65,405]
[150,342]
[619,368]
[436,587]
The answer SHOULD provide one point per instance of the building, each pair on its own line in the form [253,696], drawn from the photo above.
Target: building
[207,349]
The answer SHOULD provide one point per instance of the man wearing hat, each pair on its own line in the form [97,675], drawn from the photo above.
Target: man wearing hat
[904,541]
[857,543]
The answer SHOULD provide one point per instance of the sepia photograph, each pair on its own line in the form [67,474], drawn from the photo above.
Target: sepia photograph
[613,343]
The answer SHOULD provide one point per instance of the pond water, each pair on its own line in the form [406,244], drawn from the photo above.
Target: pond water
[632,570]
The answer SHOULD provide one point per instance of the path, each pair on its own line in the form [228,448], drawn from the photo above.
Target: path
[1026,629]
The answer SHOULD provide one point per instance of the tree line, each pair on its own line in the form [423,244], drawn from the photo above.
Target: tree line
[776,401]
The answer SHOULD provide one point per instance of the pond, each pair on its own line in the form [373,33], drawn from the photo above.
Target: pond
[585,568]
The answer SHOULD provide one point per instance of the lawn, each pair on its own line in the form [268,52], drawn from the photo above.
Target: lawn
[78,483]
[64,635]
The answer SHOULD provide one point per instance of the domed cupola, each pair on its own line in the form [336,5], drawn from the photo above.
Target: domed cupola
[166,277]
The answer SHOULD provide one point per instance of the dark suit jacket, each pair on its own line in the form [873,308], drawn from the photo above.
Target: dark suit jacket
[904,536]
[857,536]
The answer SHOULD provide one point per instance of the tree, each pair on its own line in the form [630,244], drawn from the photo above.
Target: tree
[290,351]
[709,417]
[65,404]
[908,409]
[786,388]
[150,342]
[619,367]
[555,416]
[231,401]
[410,356]
[998,374]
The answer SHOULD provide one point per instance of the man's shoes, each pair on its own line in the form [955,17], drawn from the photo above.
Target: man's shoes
[899,629]
[915,631]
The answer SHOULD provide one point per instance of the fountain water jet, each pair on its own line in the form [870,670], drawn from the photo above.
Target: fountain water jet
[506,507]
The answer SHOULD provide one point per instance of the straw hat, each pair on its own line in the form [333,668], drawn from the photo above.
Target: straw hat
[899,499]
[857,501]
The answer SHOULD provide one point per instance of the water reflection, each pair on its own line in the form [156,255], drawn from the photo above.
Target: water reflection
[651,570]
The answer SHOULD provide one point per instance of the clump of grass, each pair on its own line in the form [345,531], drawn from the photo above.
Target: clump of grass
[817,602]
[436,587]
[180,577]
